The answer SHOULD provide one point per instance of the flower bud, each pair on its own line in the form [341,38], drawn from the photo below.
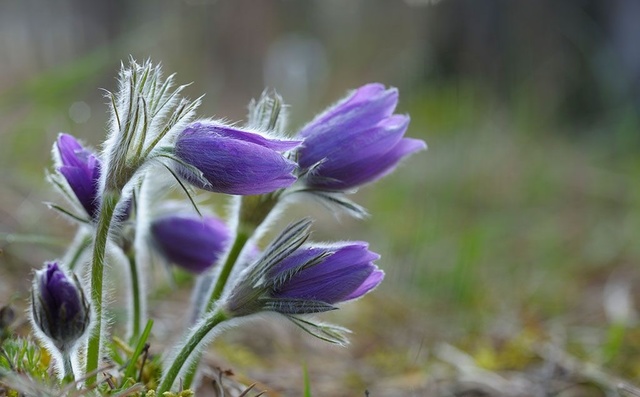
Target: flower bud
[59,307]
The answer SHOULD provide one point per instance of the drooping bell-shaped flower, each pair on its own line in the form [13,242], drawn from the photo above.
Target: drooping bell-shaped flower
[291,278]
[233,161]
[191,242]
[81,169]
[59,307]
[356,141]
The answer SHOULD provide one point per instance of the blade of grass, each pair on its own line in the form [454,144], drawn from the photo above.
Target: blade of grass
[307,382]
[131,368]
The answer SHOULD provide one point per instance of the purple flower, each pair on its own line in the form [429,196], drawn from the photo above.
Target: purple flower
[59,307]
[234,161]
[310,279]
[81,168]
[356,141]
[346,272]
[190,242]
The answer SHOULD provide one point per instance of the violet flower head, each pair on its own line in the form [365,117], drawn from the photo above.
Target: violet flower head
[346,272]
[191,242]
[81,169]
[233,161]
[356,141]
[59,307]
[291,278]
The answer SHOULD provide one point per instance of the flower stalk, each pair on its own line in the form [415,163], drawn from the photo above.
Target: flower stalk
[211,321]
[252,212]
[238,244]
[144,111]
[135,311]
[108,206]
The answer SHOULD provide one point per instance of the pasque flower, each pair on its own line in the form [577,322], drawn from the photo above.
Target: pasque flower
[81,169]
[356,141]
[291,278]
[345,272]
[233,161]
[191,242]
[59,307]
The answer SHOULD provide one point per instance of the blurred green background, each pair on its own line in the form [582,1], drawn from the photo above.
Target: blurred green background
[522,218]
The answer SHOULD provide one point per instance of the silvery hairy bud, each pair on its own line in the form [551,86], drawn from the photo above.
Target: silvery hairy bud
[59,307]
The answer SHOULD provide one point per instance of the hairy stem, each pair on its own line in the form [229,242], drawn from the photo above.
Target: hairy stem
[110,200]
[135,312]
[212,320]
[238,244]
[252,212]
[190,375]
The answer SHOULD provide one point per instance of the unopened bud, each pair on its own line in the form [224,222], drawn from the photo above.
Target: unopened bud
[59,307]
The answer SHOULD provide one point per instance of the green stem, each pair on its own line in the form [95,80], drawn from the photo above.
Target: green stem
[241,239]
[110,200]
[190,375]
[136,301]
[253,210]
[238,244]
[181,359]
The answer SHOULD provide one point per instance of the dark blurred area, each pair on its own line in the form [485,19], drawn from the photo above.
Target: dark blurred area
[579,60]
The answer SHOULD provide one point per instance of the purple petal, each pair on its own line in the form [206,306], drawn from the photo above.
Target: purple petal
[337,277]
[192,243]
[330,287]
[299,257]
[69,148]
[363,108]
[374,279]
[81,169]
[84,188]
[233,166]
[371,169]
[59,291]
[352,146]
[232,133]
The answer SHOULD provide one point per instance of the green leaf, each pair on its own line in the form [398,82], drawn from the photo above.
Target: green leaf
[326,332]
